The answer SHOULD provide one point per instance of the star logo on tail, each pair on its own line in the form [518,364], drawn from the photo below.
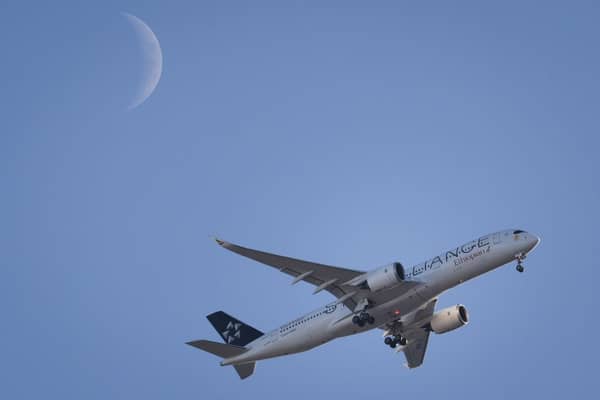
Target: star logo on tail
[232,331]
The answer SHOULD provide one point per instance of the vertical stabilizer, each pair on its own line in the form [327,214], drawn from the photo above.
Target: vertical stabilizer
[232,330]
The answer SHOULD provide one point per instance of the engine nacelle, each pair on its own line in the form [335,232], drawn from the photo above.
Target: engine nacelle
[384,277]
[449,319]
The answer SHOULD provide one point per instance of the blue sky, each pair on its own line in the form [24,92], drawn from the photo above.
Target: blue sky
[348,133]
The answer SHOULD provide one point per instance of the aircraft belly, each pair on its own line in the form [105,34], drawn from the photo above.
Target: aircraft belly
[293,341]
[395,309]
[384,313]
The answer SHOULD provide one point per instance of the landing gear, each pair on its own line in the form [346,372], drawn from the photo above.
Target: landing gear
[394,341]
[520,268]
[356,320]
[363,318]
[520,259]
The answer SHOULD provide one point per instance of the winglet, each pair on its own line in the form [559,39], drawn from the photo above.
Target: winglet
[219,241]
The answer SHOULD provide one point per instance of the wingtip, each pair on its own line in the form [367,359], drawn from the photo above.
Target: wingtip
[219,241]
[196,343]
[223,243]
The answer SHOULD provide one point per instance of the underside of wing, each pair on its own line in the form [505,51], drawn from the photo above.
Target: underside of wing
[417,335]
[324,277]
[416,348]
[415,329]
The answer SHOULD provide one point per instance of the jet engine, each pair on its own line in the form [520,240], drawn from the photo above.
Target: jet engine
[384,277]
[449,319]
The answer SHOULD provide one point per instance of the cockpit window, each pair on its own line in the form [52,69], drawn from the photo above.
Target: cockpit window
[518,231]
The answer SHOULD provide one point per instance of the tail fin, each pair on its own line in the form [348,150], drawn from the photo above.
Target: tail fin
[225,351]
[232,330]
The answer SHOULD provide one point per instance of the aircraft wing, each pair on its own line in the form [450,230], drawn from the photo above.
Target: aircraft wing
[324,277]
[417,335]
[415,350]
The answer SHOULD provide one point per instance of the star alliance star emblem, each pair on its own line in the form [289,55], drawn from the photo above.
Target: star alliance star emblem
[232,331]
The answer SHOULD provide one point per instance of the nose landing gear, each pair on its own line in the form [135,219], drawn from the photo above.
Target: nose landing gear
[393,341]
[520,259]
[520,268]
[363,318]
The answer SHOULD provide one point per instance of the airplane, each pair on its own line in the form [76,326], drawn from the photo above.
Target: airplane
[400,301]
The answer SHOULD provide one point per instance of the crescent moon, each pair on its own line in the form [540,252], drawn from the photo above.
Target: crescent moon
[152,60]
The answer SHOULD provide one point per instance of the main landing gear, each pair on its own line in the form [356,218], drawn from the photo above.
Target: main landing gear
[363,318]
[520,259]
[394,341]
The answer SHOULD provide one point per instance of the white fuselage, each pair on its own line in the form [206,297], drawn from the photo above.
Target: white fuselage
[437,275]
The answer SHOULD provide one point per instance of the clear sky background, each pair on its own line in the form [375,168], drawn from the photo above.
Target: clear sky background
[350,133]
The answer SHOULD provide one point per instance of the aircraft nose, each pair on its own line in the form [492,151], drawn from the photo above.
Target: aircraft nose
[533,241]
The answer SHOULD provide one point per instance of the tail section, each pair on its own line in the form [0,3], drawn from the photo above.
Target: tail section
[245,370]
[232,330]
[235,334]
[218,349]
[226,351]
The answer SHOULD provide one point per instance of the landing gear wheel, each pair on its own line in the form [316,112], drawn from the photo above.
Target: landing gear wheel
[520,258]
[363,318]
[394,341]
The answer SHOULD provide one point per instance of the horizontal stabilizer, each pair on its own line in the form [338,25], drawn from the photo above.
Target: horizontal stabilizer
[224,350]
[218,349]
